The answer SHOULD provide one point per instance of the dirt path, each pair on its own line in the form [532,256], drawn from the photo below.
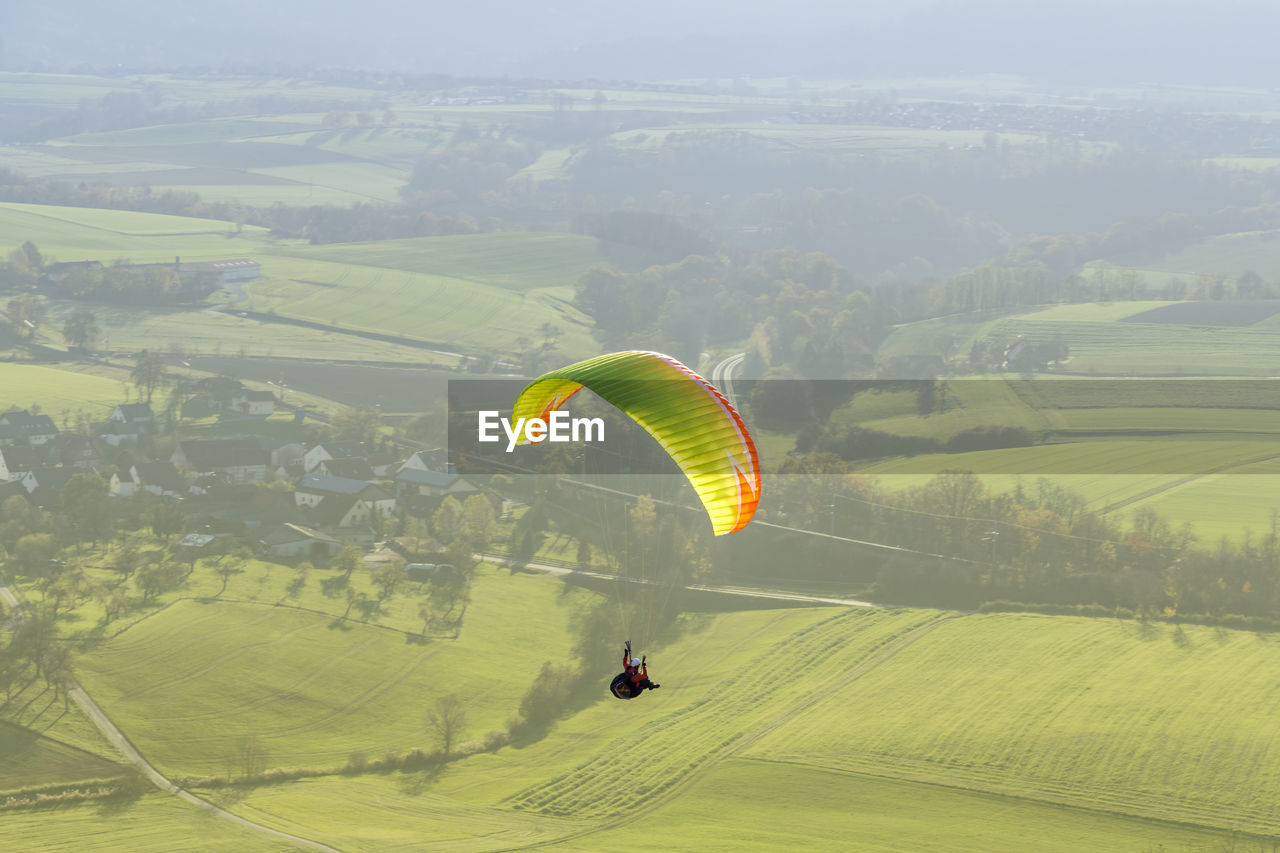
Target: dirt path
[113,734]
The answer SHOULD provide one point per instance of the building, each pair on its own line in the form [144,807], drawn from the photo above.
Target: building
[331,450]
[22,427]
[314,488]
[294,540]
[349,467]
[241,459]
[413,481]
[259,403]
[131,414]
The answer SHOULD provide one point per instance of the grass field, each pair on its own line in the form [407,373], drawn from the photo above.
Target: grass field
[190,681]
[1179,720]
[1151,349]
[436,308]
[1115,733]
[57,390]
[751,804]
[154,823]
[1228,254]
[74,234]
[518,261]
[29,759]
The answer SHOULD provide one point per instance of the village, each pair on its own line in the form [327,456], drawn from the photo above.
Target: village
[287,498]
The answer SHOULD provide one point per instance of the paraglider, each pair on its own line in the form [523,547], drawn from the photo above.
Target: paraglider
[688,417]
[634,678]
[685,413]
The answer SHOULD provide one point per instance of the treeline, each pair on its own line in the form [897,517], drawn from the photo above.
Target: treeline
[801,309]
[1036,544]
[136,284]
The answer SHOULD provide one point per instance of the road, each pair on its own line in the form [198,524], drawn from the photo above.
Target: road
[113,734]
[722,376]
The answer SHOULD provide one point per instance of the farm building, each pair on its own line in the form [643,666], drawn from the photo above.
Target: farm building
[294,540]
[157,478]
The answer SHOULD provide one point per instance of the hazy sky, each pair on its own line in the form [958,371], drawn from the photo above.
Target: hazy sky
[1131,41]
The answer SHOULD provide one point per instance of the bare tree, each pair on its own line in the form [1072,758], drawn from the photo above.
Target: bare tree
[447,720]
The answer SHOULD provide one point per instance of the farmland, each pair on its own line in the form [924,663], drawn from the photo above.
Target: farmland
[57,390]
[192,679]
[972,750]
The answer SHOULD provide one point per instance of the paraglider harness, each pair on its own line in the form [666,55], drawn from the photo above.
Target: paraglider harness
[633,680]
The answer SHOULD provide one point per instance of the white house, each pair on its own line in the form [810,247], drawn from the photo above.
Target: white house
[330,450]
[131,414]
[315,488]
[24,427]
[249,402]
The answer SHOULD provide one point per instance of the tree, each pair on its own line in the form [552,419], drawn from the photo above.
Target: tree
[447,720]
[347,560]
[360,424]
[81,329]
[148,373]
[87,504]
[478,524]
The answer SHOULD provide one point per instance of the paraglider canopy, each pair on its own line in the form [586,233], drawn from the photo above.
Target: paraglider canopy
[684,412]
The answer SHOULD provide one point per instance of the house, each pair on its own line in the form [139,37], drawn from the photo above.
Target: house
[122,485]
[18,459]
[294,540]
[254,403]
[427,460]
[414,481]
[131,415]
[158,478]
[331,450]
[283,453]
[241,459]
[44,484]
[349,467]
[349,511]
[314,488]
[127,422]
[23,427]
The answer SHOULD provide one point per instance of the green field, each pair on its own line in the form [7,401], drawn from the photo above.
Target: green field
[154,823]
[29,759]
[56,390]
[753,804]
[426,306]
[190,681]
[76,234]
[518,261]
[1093,748]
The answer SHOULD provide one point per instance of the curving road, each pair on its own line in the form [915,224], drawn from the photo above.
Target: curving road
[722,376]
